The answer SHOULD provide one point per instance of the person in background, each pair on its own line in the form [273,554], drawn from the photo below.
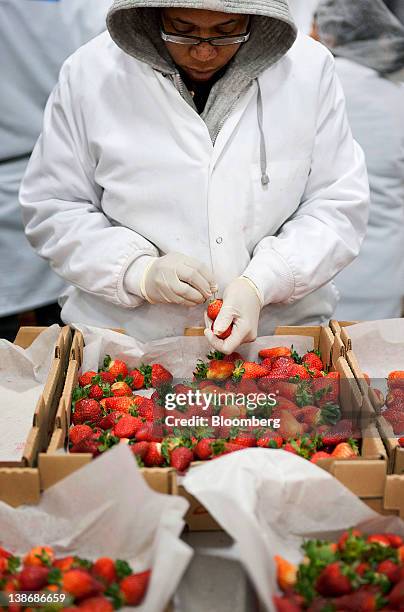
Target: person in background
[36,36]
[367,40]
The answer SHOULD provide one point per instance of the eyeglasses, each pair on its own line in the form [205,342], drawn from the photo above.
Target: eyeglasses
[216,41]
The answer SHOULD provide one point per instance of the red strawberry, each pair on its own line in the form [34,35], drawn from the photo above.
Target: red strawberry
[203,450]
[244,439]
[127,426]
[120,404]
[181,458]
[248,369]
[279,351]
[223,335]
[395,540]
[378,538]
[96,392]
[270,441]
[313,361]
[389,569]
[95,604]
[4,554]
[396,379]
[89,445]
[105,568]
[395,397]
[154,457]
[79,433]
[107,377]
[147,409]
[319,455]
[352,533]
[87,411]
[134,587]
[159,375]
[267,363]
[117,368]
[33,578]
[396,597]
[344,450]
[363,600]
[121,389]
[222,447]
[285,604]
[79,583]
[139,449]
[109,421]
[65,563]
[138,379]
[298,370]
[326,389]
[233,357]
[86,378]
[214,309]
[332,582]
[216,369]
[145,433]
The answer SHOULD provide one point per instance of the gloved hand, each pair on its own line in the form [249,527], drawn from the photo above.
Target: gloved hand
[177,279]
[241,305]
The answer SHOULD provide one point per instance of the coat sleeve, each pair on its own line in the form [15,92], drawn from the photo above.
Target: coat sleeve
[325,233]
[62,208]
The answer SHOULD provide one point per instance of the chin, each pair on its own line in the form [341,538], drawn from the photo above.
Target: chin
[200,76]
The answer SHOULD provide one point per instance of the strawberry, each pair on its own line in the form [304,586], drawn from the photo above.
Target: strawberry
[107,377]
[4,554]
[247,370]
[244,439]
[139,449]
[363,600]
[40,555]
[270,440]
[89,445]
[160,376]
[33,578]
[378,538]
[271,353]
[396,596]
[395,380]
[310,415]
[340,432]
[153,457]
[203,450]
[267,363]
[352,534]
[86,378]
[214,308]
[246,386]
[127,426]
[332,582]
[284,604]
[134,588]
[233,357]
[109,421]
[79,433]
[319,455]
[104,568]
[221,447]
[289,426]
[120,404]
[137,379]
[121,389]
[389,569]
[214,370]
[65,563]
[313,361]
[181,458]
[79,583]
[95,604]
[344,450]
[116,367]
[224,334]
[87,411]
[146,433]
[286,573]
[326,389]
[286,389]
[95,392]
[298,370]
[395,540]
[147,409]
[395,397]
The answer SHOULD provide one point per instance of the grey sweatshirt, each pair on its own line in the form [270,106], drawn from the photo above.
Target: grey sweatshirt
[134,26]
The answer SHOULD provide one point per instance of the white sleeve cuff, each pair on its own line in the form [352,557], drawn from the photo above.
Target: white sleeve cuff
[272,277]
[133,279]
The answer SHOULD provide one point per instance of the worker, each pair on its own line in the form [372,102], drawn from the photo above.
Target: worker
[36,37]
[367,39]
[194,150]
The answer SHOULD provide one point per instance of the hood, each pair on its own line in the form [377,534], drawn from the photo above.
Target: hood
[364,31]
[134,27]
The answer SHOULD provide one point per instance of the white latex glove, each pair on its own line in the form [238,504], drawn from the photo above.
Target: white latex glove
[177,279]
[241,305]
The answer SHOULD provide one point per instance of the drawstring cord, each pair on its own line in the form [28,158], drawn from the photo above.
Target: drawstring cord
[263,150]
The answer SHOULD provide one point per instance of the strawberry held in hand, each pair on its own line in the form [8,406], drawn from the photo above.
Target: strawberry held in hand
[213,312]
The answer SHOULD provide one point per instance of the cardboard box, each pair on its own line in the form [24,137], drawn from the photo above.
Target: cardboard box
[20,482]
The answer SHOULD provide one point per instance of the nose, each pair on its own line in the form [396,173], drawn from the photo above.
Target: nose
[204,52]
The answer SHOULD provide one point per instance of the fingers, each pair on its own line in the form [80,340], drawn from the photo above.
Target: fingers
[193,277]
[213,340]
[223,321]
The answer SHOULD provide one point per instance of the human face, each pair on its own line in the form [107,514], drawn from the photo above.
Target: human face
[201,62]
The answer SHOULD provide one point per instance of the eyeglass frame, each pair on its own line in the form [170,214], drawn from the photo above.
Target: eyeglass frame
[173,38]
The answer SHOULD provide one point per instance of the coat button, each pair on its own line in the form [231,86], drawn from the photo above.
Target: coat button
[219,240]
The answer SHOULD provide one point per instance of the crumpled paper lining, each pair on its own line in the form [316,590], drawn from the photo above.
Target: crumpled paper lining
[23,373]
[106,509]
[270,501]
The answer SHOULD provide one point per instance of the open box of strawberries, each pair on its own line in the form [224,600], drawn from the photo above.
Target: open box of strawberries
[302,407]
[359,573]
[39,580]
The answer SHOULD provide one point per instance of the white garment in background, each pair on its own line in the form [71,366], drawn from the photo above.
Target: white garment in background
[373,285]
[36,36]
[126,168]
[303,13]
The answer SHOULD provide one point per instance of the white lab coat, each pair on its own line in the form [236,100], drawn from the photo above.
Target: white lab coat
[373,285]
[125,167]
[303,12]
[36,36]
